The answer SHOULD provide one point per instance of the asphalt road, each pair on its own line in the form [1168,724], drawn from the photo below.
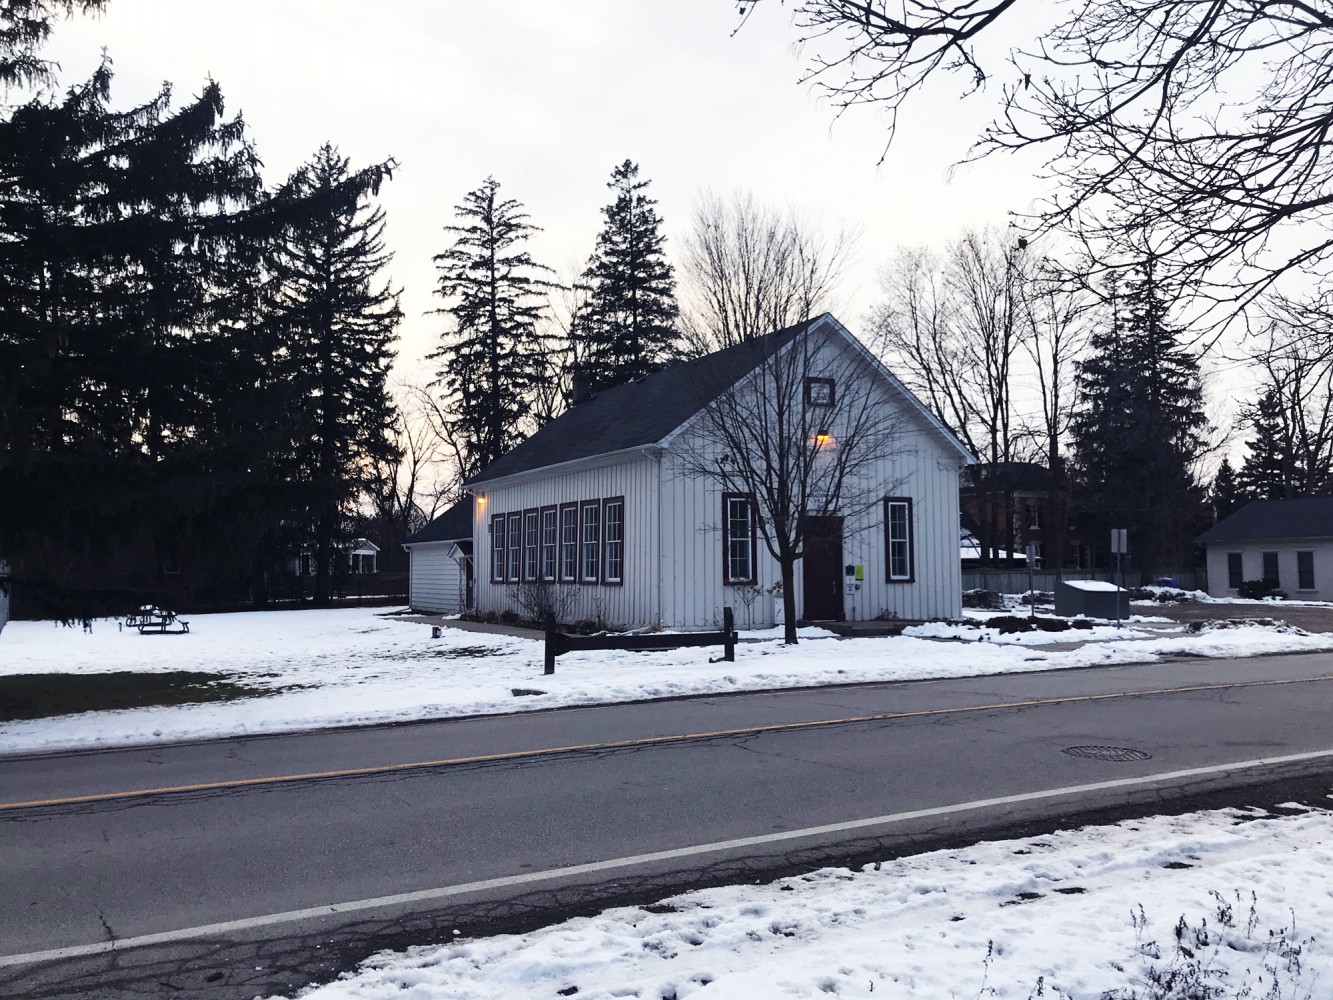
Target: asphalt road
[118,867]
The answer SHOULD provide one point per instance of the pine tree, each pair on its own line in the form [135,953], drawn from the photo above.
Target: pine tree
[1140,430]
[493,360]
[1226,494]
[121,241]
[336,320]
[628,325]
[1271,468]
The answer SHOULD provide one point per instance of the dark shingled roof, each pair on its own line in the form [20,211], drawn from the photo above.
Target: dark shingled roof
[1007,475]
[640,413]
[1264,520]
[451,526]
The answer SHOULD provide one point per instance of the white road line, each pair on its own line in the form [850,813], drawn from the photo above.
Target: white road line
[507,881]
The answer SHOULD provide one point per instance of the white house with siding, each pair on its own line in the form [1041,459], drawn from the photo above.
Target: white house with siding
[1288,542]
[606,504]
[440,565]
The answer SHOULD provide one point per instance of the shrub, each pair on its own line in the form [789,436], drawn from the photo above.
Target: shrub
[1257,590]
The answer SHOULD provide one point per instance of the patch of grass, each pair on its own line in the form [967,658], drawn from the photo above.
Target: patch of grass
[40,696]
[447,653]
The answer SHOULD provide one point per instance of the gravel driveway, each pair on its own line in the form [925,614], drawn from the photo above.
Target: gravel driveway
[1312,619]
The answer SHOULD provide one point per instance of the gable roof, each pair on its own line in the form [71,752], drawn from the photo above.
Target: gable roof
[1264,520]
[639,413]
[651,409]
[451,526]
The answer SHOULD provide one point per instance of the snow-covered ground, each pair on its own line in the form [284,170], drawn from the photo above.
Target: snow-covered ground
[352,666]
[1232,903]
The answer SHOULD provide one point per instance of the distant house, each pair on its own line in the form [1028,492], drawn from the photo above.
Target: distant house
[358,557]
[1008,506]
[1287,542]
[601,507]
[440,577]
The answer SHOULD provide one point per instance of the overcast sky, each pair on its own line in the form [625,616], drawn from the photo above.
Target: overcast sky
[548,97]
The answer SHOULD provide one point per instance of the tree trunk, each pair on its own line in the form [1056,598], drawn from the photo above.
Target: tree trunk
[788,563]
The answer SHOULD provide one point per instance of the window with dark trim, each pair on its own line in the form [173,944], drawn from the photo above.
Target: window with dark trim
[613,540]
[1235,570]
[514,543]
[1305,570]
[548,542]
[498,548]
[819,392]
[569,542]
[530,538]
[898,555]
[1270,568]
[590,542]
[738,538]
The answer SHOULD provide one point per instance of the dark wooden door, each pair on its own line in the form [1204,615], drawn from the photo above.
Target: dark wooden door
[821,569]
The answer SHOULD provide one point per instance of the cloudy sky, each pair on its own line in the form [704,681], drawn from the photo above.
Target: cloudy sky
[548,97]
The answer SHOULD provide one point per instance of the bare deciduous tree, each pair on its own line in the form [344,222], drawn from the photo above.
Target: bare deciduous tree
[1203,124]
[1055,337]
[748,269]
[952,326]
[799,459]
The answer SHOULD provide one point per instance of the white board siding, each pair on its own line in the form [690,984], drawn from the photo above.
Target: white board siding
[1286,549]
[632,603]
[921,466]
[436,583]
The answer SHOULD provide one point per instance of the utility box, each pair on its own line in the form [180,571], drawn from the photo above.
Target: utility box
[1092,599]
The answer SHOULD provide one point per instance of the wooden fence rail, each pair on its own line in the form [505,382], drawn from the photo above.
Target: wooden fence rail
[558,642]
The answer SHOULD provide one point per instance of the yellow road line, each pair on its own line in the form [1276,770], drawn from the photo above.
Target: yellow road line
[352,772]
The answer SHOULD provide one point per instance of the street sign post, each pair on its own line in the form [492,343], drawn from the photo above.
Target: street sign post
[1119,546]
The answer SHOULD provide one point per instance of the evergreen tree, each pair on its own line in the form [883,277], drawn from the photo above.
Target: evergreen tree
[1226,494]
[336,319]
[1271,470]
[493,360]
[122,237]
[24,26]
[143,425]
[1139,431]
[628,324]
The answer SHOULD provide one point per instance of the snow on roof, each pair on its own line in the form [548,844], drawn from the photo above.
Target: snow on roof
[1092,585]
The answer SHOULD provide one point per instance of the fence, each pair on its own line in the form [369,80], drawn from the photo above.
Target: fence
[1015,581]
[558,642]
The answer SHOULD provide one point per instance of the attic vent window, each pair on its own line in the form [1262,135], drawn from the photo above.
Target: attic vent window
[819,392]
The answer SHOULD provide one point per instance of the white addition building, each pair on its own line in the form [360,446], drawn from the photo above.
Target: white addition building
[610,508]
[1288,542]
[440,573]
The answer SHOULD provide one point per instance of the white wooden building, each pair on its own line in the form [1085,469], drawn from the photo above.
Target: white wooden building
[440,567]
[606,507]
[1288,542]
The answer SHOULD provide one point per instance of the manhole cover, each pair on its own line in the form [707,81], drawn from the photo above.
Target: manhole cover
[1107,753]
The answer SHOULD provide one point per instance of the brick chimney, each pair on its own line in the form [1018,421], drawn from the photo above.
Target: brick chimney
[580,385]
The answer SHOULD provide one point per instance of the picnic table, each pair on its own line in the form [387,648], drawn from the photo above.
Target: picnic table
[157,620]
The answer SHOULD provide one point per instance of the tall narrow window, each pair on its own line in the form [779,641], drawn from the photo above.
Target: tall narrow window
[497,548]
[1235,570]
[590,545]
[738,537]
[569,542]
[898,539]
[613,540]
[1270,569]
[513,543]
[530,527]
[1305,571]
[548,543]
